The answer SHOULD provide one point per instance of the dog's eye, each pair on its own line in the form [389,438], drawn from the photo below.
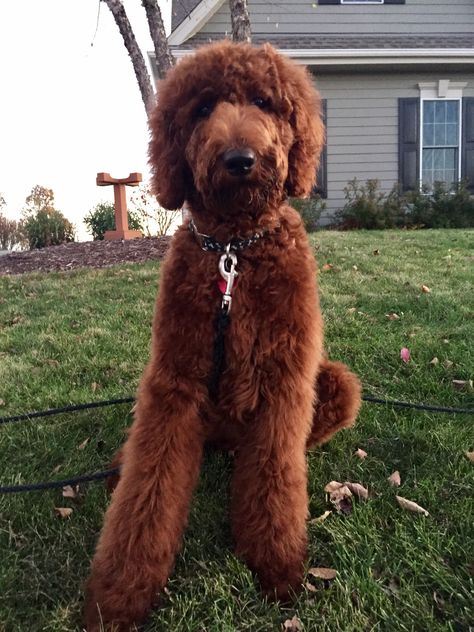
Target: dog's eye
[261,103]
[203,111]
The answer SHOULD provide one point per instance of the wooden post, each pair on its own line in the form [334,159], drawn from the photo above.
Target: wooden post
[120,204]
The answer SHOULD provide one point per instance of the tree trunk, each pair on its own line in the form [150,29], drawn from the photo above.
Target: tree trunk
[139,66]
[239,14]
[164,59]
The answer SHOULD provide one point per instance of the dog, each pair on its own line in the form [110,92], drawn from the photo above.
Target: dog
[237,356]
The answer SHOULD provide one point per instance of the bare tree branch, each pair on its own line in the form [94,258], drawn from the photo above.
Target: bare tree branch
[117,9]
[240,18]
[163,56]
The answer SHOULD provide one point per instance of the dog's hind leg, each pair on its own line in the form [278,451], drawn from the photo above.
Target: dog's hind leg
[338,399]
[148,510]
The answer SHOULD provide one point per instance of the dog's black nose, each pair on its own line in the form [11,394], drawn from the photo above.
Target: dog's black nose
[239,162]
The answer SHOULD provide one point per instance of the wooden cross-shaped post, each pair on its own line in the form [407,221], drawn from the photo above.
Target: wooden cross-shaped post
[120,204]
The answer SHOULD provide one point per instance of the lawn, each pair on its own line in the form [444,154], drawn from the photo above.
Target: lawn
[84,335]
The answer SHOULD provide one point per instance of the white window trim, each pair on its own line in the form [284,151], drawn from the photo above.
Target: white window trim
[447,98]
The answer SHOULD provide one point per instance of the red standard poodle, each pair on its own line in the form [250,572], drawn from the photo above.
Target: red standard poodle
[237,353]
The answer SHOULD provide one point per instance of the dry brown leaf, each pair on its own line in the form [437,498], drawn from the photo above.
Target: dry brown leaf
[321,518]
[327,266]
[293,625]
[71,492]
[447,364]
[94,386]
[63,512]
[462,385]
[341,498]
[470,456]
[57,468]
[358,490]
[351,310]
[310,587]
[434,361]
[409,505]
[332,486]
[355,268]
[392,316]
[376,252]
[394,479]
[82,445]
[2,402]
[425,289]
[362,454]
[323,573]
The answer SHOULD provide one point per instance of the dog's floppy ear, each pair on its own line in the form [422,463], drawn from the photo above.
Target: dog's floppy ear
[166,154]
[298,89]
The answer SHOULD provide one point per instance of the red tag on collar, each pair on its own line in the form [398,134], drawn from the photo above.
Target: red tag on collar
[222,284]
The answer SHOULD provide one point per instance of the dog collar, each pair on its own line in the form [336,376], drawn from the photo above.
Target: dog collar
[209,244]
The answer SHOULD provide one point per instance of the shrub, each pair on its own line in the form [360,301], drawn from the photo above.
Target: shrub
[368,207]
[102,218]
[443,207]
[47,227]
[310,210]
[11,233]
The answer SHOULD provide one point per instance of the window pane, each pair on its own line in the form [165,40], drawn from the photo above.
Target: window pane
[440,134]
[440,111]
[452,111]
[428,111]
[439,165]
[452,134]
[428,133]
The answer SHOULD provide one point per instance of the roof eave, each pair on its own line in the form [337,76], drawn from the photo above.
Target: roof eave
[369,56]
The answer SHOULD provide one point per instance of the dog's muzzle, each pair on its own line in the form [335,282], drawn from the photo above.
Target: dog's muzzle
[239,162]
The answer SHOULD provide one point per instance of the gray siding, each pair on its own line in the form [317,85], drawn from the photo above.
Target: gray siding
[362,125]
[415,17]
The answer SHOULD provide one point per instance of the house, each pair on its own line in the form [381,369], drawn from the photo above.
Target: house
[396,78]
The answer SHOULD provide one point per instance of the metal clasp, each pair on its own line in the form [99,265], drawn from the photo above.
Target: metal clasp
[227,269]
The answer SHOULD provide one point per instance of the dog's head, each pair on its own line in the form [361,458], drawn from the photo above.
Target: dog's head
[237,128]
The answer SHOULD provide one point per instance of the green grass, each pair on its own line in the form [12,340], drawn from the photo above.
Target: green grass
[84,335]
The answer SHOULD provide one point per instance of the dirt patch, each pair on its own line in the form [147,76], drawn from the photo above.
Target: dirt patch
[87,254]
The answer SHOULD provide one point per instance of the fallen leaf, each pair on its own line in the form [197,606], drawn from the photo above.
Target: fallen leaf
[425,289]
[63,512]
[393,587]
[340,496]
[321,518]
[332,486]
[310,587]
[362,454]
[355,268]
[470,456]
[2,402]
[447,364]
[57,468]
[82,445]
[327,266]
[358,490]
[323,573]
[94,386]
[409,505]
[376,252]
[462,385]
[446,341]
[394,479]
[351,310]
[405,354]
[71,492]
[293,625]
[434,361]
[392,316]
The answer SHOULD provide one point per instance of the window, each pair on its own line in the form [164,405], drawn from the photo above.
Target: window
[361,2]
[440,141]
[436,137]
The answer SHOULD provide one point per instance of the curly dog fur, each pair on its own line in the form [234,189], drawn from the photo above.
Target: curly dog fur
[278,393]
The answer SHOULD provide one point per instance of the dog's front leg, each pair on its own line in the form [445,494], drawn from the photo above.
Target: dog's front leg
[269,491]
[148,511]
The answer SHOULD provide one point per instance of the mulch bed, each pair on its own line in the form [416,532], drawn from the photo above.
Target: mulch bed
[88,254]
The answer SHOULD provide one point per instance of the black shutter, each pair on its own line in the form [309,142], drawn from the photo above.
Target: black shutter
[329,2]
[409,143]
[321,187]
[394,2]
[467,152]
